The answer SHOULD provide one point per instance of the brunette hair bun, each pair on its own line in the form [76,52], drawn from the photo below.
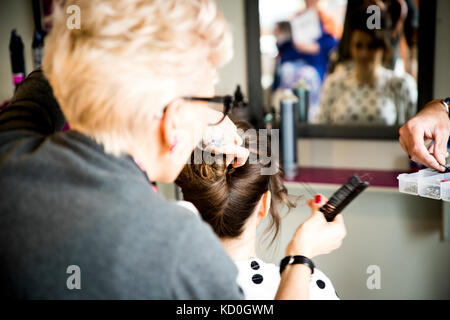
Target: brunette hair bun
[226,197]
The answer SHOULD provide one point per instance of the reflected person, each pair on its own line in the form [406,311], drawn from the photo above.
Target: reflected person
[362,91]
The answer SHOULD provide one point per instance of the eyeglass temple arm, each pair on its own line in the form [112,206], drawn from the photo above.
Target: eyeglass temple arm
[212,99]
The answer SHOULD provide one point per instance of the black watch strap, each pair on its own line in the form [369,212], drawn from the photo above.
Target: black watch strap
[296,260]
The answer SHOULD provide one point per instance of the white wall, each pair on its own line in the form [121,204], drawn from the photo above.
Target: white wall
[235,72]
[442,52]
[398,233]
[357,154]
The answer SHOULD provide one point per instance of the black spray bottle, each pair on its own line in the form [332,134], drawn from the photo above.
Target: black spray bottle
[16,52]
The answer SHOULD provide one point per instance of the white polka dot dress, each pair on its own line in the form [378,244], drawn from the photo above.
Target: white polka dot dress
[391,100]
[260,280]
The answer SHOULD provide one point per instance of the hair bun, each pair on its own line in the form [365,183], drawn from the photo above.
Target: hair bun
[212,172]
[216,171]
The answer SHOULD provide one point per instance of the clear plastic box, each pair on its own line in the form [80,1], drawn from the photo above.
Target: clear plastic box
[409,182]
[426,183]
[445,191]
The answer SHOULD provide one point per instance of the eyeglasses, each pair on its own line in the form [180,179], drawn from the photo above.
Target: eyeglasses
[222,104]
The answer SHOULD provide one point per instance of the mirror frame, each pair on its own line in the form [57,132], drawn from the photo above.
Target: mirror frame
[426,50]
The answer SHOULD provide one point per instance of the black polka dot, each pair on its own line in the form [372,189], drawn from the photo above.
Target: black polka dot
[370,118]
[240,290]
[254,265]
[355,117]
[257,278]
[320,284]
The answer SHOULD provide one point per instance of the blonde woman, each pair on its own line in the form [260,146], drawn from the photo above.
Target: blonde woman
[79,219]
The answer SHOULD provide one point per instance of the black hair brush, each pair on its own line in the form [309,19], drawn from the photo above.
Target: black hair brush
[342,197]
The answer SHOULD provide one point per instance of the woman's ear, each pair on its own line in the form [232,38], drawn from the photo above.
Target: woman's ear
[169,122]
[264,205]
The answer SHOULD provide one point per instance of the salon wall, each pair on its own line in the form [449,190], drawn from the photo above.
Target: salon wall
[397,234]
[235,72]
[16,14]
[442,53]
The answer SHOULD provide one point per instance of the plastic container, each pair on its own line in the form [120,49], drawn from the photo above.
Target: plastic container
[426,183]
[445,191]
[409,182]
[430,187]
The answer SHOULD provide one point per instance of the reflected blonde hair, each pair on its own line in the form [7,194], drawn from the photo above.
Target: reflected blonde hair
[128,60]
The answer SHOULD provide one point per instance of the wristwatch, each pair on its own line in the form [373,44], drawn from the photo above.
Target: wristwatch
[446,103]
[296,260]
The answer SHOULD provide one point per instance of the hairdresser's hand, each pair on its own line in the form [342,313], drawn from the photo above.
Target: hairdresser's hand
[316,236]
[431,123]
[224,138]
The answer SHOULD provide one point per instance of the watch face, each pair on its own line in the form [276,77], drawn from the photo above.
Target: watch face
[447,100]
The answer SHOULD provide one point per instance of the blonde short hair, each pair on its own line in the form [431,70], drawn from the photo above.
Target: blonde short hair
[128,60]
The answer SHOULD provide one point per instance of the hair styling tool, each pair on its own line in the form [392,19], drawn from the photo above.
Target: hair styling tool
[17,58]
[343,196]
[447,169]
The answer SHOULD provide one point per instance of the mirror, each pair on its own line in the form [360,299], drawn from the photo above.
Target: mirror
[353,65]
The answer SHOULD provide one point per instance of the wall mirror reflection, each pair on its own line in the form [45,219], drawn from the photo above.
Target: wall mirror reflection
[353,65]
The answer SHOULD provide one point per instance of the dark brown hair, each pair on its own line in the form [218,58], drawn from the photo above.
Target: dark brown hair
[380,37]
[226,197]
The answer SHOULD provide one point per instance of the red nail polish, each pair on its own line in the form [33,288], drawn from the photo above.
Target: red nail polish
[318,198]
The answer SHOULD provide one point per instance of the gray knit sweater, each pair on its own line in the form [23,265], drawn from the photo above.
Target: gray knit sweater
[77,223]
